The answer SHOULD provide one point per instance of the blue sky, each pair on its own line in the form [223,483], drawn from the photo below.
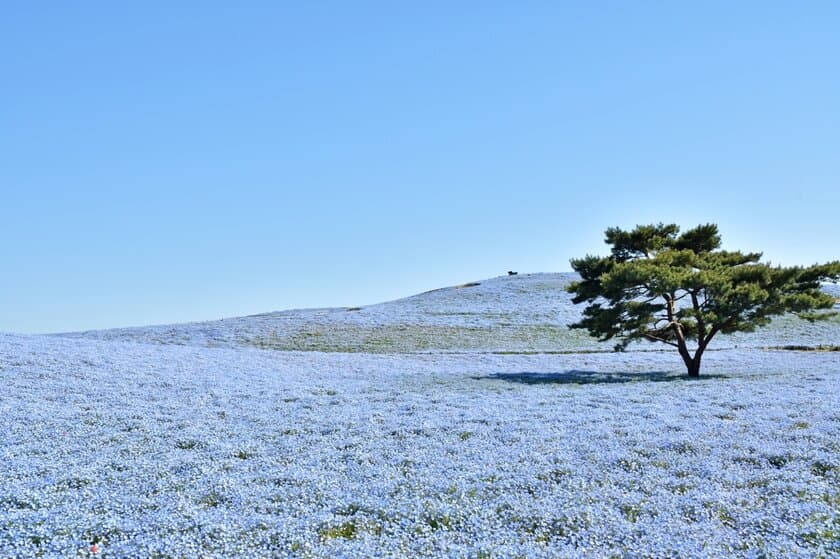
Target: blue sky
[174,161]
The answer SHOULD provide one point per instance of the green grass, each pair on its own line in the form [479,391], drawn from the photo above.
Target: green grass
[410,338]
[346,530]
[349,530]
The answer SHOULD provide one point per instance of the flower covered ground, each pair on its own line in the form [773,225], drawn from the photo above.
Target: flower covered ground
[523,313]
[128,447]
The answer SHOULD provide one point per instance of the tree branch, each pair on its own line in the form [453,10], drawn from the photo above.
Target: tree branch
[658,339]
[701,324]
[681,296]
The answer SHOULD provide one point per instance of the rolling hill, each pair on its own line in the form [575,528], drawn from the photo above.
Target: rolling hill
[464,422]
[522,313]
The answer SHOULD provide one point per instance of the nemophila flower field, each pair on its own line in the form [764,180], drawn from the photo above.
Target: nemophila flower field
[114,448]
[524,313]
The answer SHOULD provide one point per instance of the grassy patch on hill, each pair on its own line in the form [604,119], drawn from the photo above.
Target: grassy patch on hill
[406,338]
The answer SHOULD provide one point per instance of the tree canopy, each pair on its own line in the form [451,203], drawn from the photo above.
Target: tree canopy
[674,288]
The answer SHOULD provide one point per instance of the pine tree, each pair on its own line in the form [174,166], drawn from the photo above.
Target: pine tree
[680,289]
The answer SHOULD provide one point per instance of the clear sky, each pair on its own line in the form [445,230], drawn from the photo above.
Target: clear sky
[176,161]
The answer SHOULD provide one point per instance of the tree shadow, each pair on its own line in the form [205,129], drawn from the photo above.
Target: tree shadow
[594,377]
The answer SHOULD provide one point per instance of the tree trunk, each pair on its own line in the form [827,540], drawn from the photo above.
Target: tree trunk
[694,367]
[693,364]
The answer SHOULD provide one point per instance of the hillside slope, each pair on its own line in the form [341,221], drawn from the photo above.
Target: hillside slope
[115,448]
[523,313]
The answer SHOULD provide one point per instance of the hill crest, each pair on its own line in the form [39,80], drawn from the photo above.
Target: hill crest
[520,313]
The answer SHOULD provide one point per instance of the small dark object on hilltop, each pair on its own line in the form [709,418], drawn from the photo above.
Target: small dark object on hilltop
[512,273]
